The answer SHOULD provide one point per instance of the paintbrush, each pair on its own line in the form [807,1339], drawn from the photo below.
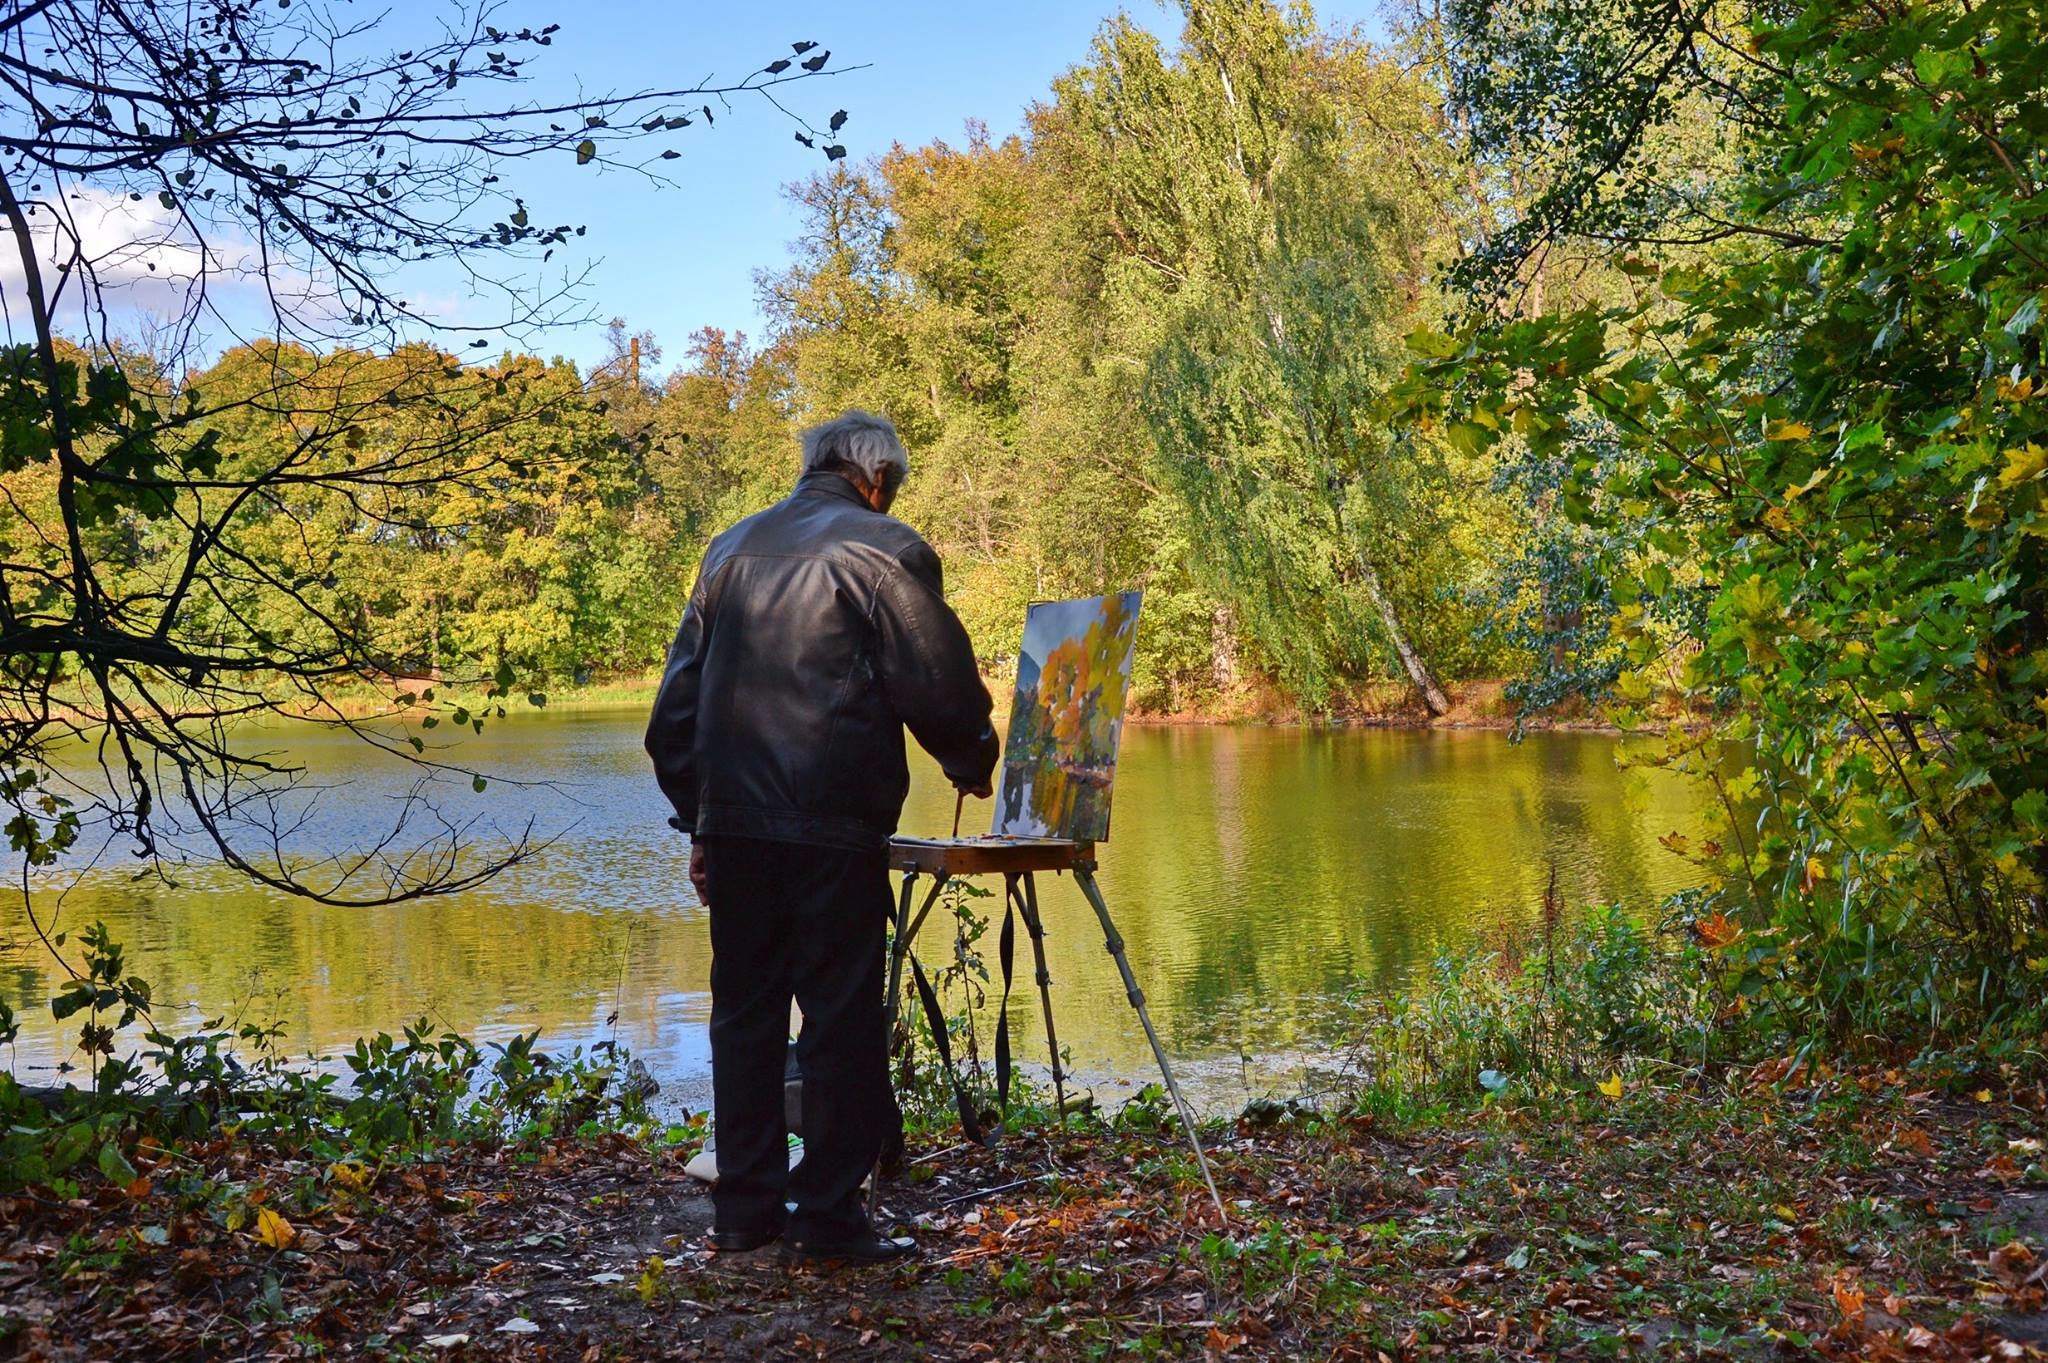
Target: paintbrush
[959,801]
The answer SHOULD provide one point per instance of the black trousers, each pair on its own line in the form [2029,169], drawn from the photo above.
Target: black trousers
[794,921]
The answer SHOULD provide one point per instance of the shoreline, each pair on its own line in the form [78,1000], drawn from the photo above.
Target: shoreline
[1477,705]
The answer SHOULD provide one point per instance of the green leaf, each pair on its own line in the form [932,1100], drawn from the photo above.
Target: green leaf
[115,1165]
[1433,344]
[70,1146]
[1468,438]
[586,152]
[2025,316]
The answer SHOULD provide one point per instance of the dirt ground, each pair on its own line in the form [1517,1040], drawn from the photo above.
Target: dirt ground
[1904,1228]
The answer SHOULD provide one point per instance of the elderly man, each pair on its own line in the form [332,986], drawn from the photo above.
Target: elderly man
[816,632]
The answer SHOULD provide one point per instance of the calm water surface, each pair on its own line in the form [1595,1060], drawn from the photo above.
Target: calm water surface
[1256,874]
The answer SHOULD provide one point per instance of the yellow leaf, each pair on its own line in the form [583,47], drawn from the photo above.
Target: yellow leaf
[1798,490]
[350,1175]
[1787,430]
[649,1285]
[273,1230]
[2023,465]
[1982,1095]
[1611,1086]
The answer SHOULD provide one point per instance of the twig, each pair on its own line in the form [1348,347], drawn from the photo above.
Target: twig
[990,1192]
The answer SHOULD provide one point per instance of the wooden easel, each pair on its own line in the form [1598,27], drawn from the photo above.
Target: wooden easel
[1018,860]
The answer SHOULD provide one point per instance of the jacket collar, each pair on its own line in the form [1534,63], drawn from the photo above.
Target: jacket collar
[825,483]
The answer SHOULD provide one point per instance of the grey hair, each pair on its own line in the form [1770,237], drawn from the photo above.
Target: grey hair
[861,443]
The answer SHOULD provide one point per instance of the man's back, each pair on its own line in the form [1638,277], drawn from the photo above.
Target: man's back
[817,630]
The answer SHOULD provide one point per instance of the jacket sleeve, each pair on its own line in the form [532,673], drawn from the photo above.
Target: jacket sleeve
[927,667]
[672,728]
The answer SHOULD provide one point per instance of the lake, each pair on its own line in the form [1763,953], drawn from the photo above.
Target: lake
[1257,874]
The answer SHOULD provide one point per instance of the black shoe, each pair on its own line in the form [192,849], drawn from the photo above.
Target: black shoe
[860,1249]
[741,1241]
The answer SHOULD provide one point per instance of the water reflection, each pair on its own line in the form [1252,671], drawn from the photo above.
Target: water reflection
[1255,873]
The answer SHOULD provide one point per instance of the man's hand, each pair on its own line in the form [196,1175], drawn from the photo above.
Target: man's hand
[980,792]
[700,879]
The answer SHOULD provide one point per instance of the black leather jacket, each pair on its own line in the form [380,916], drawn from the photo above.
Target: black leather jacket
[817,630]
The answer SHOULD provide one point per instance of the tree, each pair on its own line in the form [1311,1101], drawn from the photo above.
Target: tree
[1278,238]
[1828,413]
[178,548]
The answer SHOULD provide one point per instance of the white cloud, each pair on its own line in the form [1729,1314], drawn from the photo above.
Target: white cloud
[103,253]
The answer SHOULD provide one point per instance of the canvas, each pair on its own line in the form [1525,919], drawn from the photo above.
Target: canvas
[1067,713]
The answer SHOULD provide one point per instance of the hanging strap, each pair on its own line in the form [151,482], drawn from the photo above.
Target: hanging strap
[1006,950]
[970,1123]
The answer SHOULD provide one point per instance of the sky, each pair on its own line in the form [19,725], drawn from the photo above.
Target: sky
[667,259]
[676,259]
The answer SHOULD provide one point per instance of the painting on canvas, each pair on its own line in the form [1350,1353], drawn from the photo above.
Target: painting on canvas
[1073,672]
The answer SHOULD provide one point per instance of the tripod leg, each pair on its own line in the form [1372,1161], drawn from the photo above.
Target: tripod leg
[1085,878]
[899,950]
[1029,901]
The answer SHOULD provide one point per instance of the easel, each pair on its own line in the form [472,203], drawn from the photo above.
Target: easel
[1017,860]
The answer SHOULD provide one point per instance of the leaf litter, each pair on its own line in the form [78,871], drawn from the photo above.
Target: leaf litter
[1853,1220]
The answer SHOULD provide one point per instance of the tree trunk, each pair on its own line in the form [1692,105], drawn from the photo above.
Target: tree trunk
[1223,651]
[1418,671]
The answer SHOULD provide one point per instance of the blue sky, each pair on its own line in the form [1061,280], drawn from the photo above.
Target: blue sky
[667,259]
[672,260]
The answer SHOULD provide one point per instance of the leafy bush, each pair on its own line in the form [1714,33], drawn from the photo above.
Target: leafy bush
[1589,1000]
[405,1095]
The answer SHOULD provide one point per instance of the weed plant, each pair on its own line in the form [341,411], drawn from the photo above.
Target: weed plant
[404,1096]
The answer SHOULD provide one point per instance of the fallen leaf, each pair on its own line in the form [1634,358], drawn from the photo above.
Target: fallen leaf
[444,1341]
[518,1325]
[1914,1141]
[1612,1086]
[273,1230]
